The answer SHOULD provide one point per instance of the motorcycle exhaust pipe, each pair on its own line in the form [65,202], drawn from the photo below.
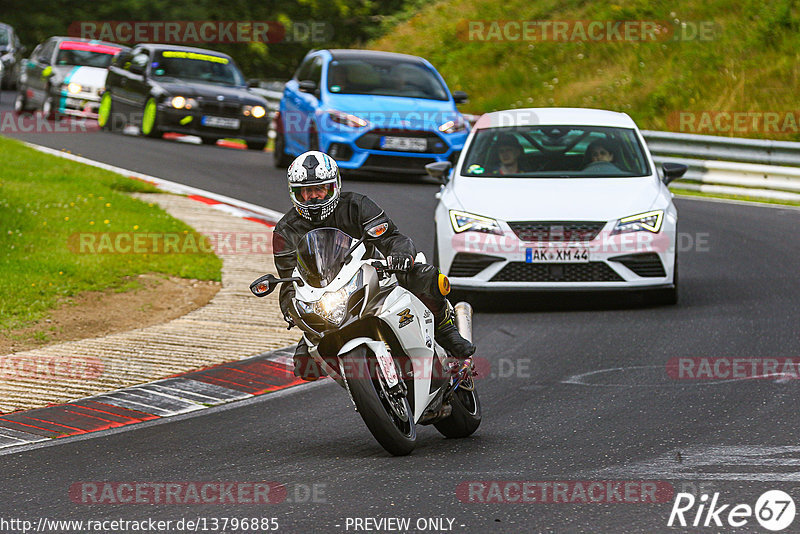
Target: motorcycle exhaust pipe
[463,320]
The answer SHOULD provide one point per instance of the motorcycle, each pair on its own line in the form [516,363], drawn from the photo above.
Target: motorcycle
[376,340]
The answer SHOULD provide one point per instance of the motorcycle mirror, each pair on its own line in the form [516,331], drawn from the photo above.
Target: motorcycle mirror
[264,285]
[267,284]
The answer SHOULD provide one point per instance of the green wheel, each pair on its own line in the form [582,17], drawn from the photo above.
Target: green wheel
[149,126]
[105,117]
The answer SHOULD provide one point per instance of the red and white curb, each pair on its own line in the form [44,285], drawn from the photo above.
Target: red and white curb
[232,206]
[180,394]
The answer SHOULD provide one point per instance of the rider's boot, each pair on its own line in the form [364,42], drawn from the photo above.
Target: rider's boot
[447,335]
[305,367]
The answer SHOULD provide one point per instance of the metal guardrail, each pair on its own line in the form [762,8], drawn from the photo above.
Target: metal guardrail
[729,165]
[712,147]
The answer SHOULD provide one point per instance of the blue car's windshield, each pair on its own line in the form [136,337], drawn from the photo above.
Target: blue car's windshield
[386,77]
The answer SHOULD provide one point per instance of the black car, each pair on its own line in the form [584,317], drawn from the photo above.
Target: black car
[165,88]
[65,76]
[11,51]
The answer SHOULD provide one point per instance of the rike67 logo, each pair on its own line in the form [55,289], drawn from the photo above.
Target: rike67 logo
[774,510]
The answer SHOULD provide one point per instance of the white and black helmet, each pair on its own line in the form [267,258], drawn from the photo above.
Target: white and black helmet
[312,170]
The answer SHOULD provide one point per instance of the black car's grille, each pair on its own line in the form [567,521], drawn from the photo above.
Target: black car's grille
[647,264]
[372,140]
[555,231]
[221,109]
[594,271]
[397,163]
[471,264]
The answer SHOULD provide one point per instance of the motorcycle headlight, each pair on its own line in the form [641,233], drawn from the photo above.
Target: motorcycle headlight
[463,221]
[346,119]
[650,222]
[333,306]
[453,126]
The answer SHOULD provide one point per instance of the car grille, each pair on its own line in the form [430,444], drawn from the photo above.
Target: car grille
[221,109]
[647,265]
[399,163]
[594,271]
[372,140]
[466,265]
[554,231]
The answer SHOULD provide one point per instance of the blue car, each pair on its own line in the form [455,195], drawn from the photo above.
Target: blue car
[371,111]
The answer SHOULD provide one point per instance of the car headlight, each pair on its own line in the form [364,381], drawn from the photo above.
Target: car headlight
[333,306]
[346,119]
[181,102]
[259,111]
[74,88]
[650,221]
[453,126]
[463,221]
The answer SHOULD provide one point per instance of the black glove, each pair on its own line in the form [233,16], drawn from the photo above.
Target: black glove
[400,261]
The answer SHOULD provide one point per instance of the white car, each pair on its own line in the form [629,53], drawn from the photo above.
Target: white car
[557,199]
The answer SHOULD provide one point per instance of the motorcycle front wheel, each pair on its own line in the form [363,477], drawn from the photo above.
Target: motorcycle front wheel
[388,417]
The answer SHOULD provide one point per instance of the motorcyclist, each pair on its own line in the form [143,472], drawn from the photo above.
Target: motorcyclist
[315,191]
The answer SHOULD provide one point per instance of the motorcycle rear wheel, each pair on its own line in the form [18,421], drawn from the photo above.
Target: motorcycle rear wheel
[466,416]
[390,420]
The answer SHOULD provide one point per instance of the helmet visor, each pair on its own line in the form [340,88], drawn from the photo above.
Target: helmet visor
[309,195]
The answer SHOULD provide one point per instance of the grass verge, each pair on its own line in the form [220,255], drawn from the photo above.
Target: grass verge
[45,204]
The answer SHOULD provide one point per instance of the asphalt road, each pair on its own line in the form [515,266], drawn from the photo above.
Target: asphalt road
[577,392]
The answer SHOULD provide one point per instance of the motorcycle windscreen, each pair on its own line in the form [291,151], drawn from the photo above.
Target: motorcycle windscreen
[321,255]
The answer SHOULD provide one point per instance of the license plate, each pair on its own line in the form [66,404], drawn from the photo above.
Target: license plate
[411,144]
[220,122]
[556,255]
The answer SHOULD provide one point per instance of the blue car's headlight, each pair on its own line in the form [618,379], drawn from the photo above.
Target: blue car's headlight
[346,119]
[456,125]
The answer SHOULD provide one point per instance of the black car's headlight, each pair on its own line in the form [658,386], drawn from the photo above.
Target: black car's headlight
[256,112]
[181,102]
[650,222]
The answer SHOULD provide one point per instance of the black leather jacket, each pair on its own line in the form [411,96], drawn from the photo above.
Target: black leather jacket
[353,215]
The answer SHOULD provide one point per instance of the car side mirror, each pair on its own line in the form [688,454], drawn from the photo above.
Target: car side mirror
[439,170]
[307,86]
[673,171]
[460,97]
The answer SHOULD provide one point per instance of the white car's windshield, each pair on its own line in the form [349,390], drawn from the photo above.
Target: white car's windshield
[384,77]
[555,152]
